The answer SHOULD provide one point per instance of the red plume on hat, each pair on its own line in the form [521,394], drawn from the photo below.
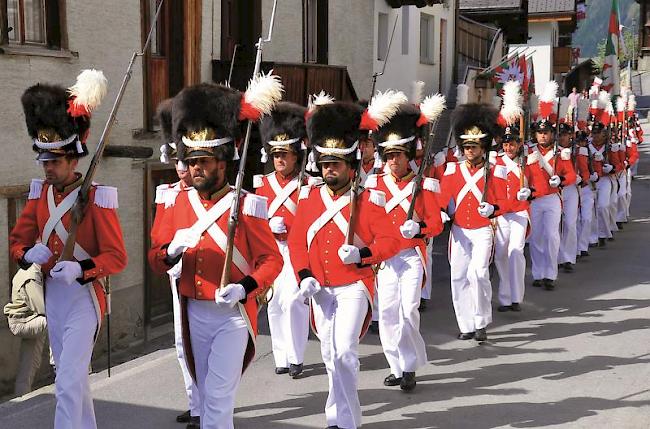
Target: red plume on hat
[511,108]
[382,107]
[547,100]
[263,93]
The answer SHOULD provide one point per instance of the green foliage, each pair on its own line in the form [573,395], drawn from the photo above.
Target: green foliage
[625,55]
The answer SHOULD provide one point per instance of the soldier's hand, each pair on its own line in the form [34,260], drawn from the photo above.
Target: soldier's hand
[523,194]
[309,286]
[607,168]
[67,271]
[276,223]
[409,229]
[230,295]
[183,239]
[485,210]
[554,181]
[349,254]
[593,177]
[39,254]
[598,157]
[578,179]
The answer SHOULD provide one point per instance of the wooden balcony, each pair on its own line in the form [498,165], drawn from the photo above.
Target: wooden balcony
[299,79]
[562,59]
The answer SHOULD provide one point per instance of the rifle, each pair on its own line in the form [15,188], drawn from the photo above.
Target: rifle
[232,64]
[107,288]
[522,158]
[486,176]
[557,132]
[234,208]
[354,190]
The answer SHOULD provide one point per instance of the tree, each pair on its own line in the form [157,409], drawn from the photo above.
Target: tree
[625,55]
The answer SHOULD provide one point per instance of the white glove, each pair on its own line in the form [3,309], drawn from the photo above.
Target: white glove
[230,295]
[578,180]
[444,217]
[593,177]
[523,194]
[309,286]
[626,164]
[485,209]
[39,254]
[439,159]
[175,271]
[68,271]
[607,168]
[598,157]
[349,254]
[554,181]
[183,239]
[410,229]
[276,223]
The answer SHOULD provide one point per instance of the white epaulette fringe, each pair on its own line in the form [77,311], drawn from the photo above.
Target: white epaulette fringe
[255,206]
[377,197]
[533,157]
[35,189]
[106,197]
[371,181]
[161,190]
[432,185]
[565,154]
[501,171]
[258,181]
[450,169]
[583,151]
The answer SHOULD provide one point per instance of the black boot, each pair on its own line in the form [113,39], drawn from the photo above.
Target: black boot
[601,242]
[481,335]
[465,335]
[374,327]
[423,305]
[568,267]
[538,283]
[549,284]
[408,381]
[295,370]
[281,370]
[194,423]
[504,308]
[183,418]
[391,380]
[515,306]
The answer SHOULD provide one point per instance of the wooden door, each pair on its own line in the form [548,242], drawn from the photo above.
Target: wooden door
[158,298]
[163,64]
[241,25]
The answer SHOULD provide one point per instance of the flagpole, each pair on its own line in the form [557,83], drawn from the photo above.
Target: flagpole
[508,58]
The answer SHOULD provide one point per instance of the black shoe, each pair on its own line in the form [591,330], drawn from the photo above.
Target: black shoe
[391,380]
[281,370]
[374,327]
[584,254]
[568,267]
[332,427]
[183,418]
[504,308]
[593,244]
[195,423]
[423,305]
[601,242]
[481,335]
[465,335]
[515,306]
[295,370]
[549,284]
[611,238]
[408,381]
[538,283]
[619,225]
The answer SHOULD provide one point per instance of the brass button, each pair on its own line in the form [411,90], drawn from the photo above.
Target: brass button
[199,272]
[200,259]
[205,205]
[56,252]
[199,283]
[202,237]
[199,293]
[327,251]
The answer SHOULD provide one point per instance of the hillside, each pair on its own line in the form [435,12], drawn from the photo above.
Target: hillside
[593,29]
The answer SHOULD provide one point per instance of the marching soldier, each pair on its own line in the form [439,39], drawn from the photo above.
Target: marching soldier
[221,322]
[585,170]
[338,277]
[283,134]
[58,121]
[401,279]
[512,225]
[166,195]
[477,191]
[549,170]
[570,203]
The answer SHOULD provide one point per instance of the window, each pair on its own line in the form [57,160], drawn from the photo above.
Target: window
[315,30]
[427,47]
[405,29]
[382,36]
[30,22]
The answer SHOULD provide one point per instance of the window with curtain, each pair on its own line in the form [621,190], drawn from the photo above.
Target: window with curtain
[32,22]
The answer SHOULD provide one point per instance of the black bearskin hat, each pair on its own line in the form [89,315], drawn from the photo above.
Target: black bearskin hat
[475,123]
[333,131]
[284,129]
[164,116]
[402,126]
[510,133]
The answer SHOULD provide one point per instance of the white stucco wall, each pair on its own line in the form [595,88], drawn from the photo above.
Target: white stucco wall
[542,40]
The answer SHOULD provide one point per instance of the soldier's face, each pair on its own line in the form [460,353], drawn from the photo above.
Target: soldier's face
[367,148]
[473,153]
[207,173]
[544,138]
[336,174]
[60,171]
[511,148]
[285,162]
[398,163]
[565,140]
[598,137]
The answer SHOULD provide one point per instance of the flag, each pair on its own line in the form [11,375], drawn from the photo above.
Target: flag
[510,69]
[530,86]
[611,72]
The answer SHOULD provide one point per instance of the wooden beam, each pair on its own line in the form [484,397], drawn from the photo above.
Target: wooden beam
[551,18]
[14,191]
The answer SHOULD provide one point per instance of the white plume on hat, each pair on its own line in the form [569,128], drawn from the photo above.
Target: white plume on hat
[631,103]
[511,109]
[264,92]
[383,106]
[319,99]
[432,106]
[90,89]
[549,93]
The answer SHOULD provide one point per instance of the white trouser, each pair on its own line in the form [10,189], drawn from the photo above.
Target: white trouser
[219,336]
[399,318]
[545,214]
[586,217]
[569,237]
[428,282]
[71,325]
[190,387]
[621,209]
[628,197]
[509,256]
[613,204]
[339,313]
[288,316]
[471,290]
[603,190]
[375,304]
[32,334]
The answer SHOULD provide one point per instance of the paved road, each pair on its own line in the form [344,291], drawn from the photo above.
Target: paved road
[575,357]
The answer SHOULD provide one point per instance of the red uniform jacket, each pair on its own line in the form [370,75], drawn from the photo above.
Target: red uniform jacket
[598,159]
[632,153]
[513,182]
[281,203]
[582,165]
[203,264]
[99,234]
[541,162]
[466,203]
[165,196]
